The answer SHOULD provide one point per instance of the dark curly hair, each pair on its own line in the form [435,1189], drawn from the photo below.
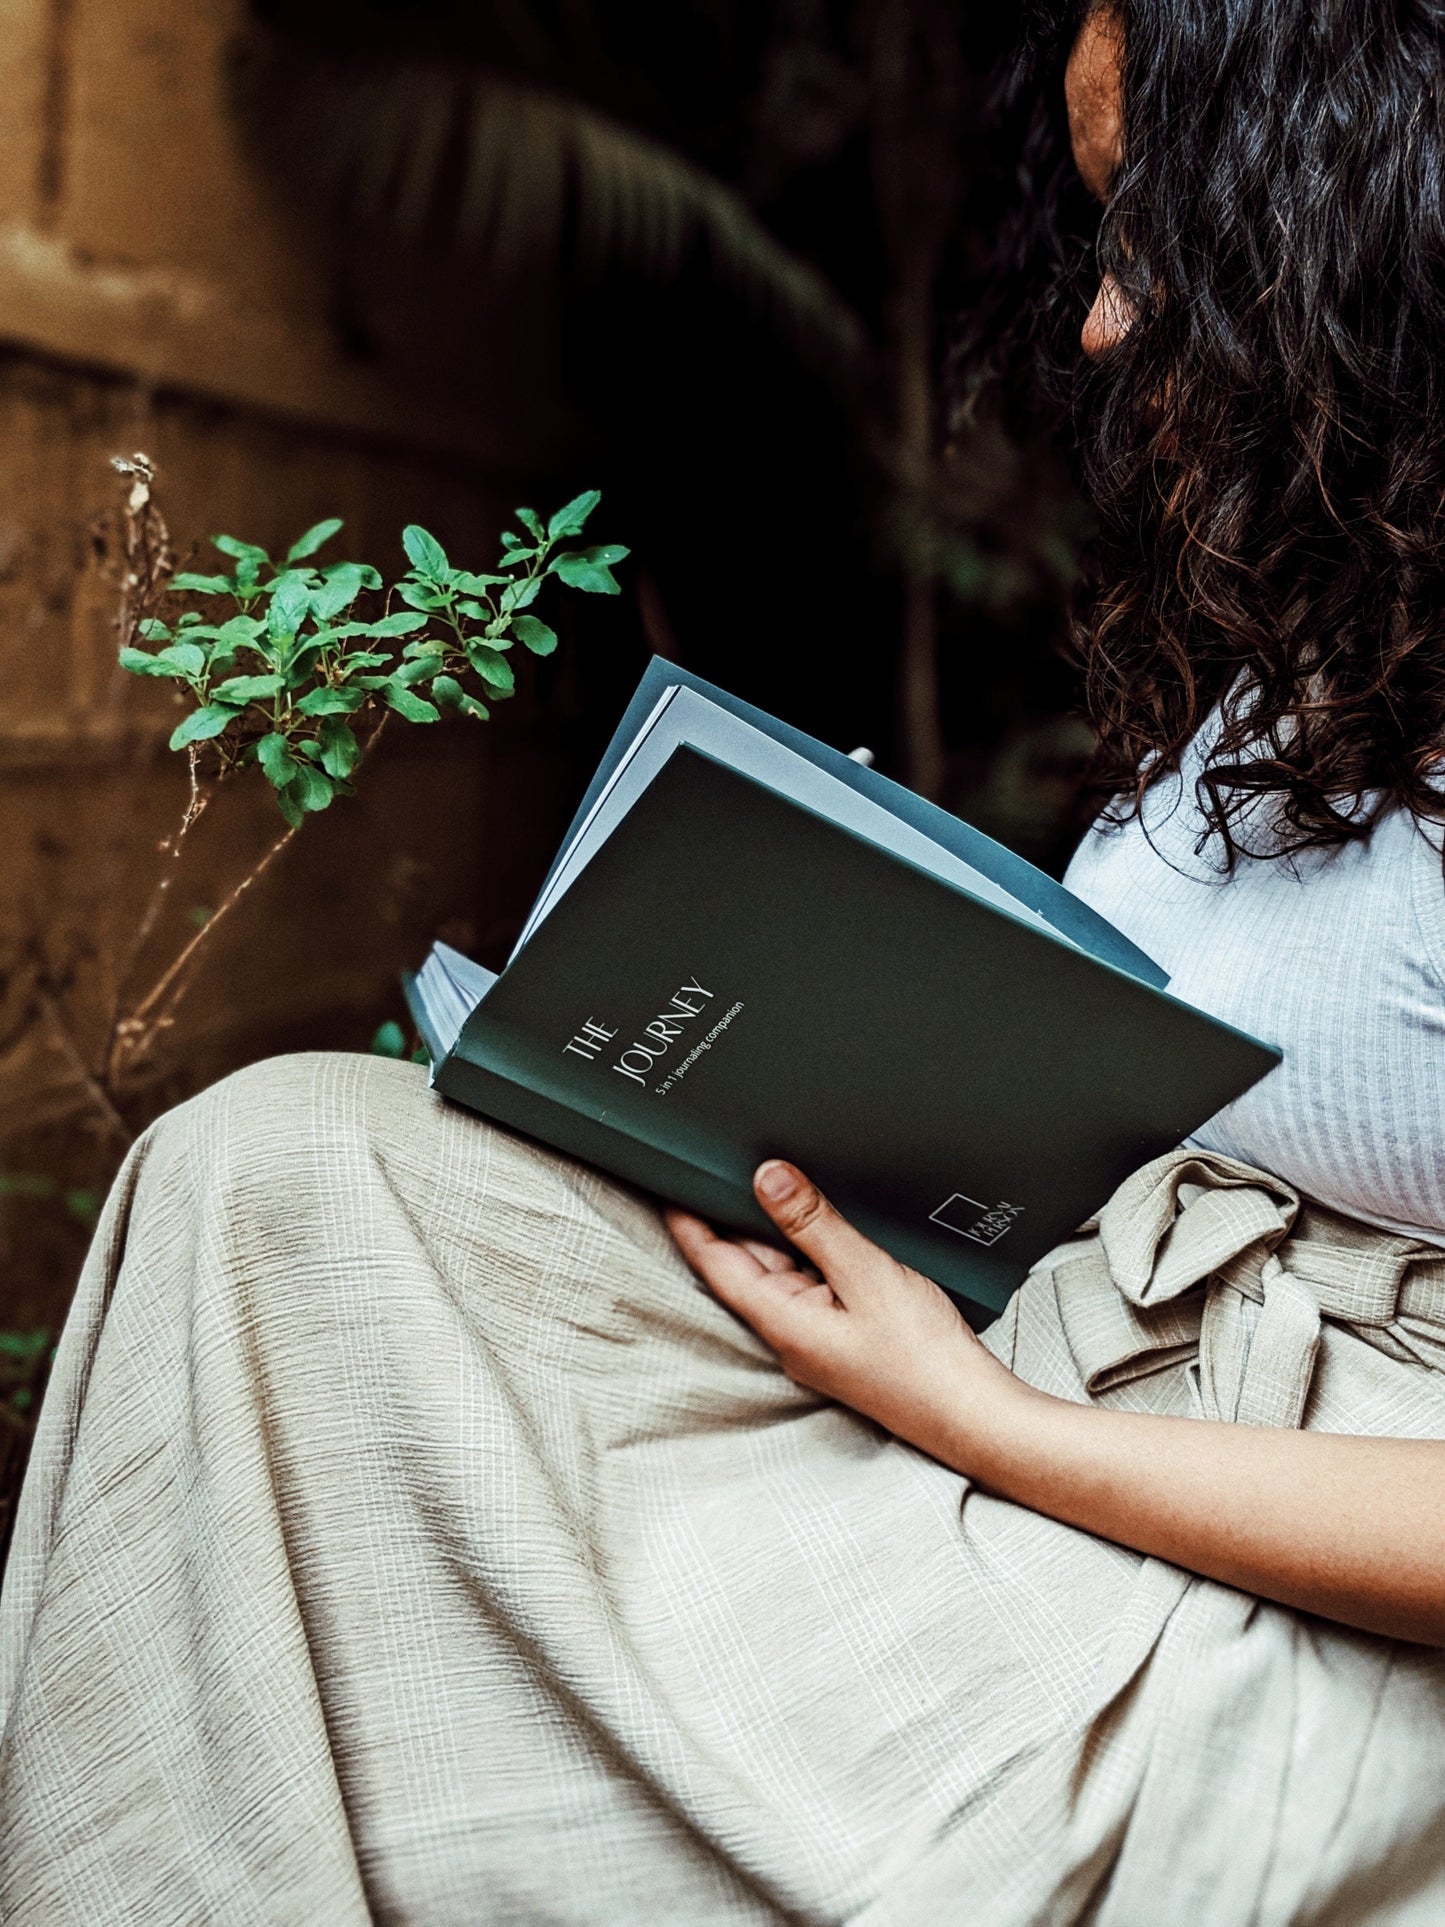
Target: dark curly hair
[1266,446]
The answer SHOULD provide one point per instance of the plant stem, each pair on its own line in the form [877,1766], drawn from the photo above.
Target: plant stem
[94,1089]
[134,1034]
[158,990]
[172,848]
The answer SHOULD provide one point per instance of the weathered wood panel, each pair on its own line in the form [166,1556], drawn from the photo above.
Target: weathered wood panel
[154,295]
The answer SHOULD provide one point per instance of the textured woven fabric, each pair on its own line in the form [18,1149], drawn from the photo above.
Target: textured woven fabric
[1337,955]
[411,1537]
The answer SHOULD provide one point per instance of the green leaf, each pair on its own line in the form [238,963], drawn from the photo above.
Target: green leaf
[370,578]
[340,751]
[238,630]
[389,1041]
[27,1347]
[571,519]
[302,662]
[310,788]
[241,551]
[307,577]
[339,590]
[420,597]
[494,670]
[517,595]
[140,663]
[418,669]
[413,707]
[187,621]
[535,635]
[186,658]
[188,583]
[331,702]
[202,724]
[532,523]
[289,807]
[343,631]
[581,569]
[425,554]
[400,624]
[248,689]
[470,584]
[290,606]
[273,753]
[450,694]
[154,630]
[316,537]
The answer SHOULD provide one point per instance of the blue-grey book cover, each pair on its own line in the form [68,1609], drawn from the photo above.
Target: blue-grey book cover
[733,976]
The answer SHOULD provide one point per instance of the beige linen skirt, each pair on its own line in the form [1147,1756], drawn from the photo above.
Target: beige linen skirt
[410,1537]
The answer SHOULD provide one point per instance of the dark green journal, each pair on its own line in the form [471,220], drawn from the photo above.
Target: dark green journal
[723,968]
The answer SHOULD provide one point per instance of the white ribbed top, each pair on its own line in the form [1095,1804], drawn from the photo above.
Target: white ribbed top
[1339,958]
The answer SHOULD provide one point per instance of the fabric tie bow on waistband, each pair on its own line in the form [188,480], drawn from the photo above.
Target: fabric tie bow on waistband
[1211,1259]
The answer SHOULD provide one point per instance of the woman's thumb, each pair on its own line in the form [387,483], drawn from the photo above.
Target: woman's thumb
[806,1219]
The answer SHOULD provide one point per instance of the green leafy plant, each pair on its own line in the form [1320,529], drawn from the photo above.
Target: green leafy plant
[296,659]
[294,668]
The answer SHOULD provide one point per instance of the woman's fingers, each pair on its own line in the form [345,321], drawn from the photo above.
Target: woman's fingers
[701,1245]
[770,1298]
[768,1256]
[806,1219]
[725,1264]
[780,1298]
[871,1333]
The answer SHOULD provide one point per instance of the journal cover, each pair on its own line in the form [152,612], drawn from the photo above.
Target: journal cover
[1028,885]
[734,977]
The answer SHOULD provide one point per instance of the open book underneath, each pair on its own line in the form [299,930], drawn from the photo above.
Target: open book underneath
[750,945]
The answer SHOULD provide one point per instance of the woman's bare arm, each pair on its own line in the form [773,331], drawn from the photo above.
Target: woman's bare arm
[1352,1528]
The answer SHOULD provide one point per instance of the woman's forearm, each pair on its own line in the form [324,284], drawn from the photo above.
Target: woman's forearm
[1352,1528]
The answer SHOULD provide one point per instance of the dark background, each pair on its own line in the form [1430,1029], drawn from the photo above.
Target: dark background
[424,262]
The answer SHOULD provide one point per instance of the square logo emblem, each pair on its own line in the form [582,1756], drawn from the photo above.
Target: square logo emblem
[970,1218]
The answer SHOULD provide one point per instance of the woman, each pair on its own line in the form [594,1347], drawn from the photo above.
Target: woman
[413,1534]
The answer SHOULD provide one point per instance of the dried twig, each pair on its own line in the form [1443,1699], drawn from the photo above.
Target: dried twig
[95,1090]
[135,1033]
[145,565]
[170,847]
[149,560]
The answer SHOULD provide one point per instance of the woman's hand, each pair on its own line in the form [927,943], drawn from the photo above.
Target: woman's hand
[1345,1527]
[865,1330]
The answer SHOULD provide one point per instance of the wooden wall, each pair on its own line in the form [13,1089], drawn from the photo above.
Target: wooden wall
[154,294]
